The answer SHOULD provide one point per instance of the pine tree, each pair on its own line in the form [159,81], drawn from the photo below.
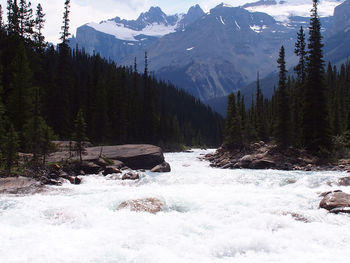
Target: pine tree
[300,51]
[260,122]
[315,126]
[283,115]
[65,27]
[39,26]
[80,133]
[10,146]
[13,26]
[26,22]
[233,138]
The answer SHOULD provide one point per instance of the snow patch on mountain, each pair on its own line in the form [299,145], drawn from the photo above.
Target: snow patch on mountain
[122,32]
[284,9]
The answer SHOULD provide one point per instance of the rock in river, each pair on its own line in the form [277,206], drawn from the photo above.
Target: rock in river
[161,168]
[135,156]
[334,200]
[19,185]
[151,205]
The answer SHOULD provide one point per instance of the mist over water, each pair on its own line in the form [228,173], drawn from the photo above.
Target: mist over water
[211,215]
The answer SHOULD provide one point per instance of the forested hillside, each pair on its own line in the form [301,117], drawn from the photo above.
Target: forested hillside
[43,87]
[310,111]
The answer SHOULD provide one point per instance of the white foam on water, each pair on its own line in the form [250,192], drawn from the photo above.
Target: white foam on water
[211,215]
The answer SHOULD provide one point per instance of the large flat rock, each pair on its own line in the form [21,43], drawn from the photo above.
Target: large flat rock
[135,156]
[19,185]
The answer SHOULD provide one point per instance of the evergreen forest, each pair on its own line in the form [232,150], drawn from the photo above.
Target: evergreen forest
[55,92]
[310,107]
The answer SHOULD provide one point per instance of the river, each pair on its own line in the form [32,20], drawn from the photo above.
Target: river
[211,215]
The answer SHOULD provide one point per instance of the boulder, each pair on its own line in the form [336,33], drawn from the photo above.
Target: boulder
[150,205]
[90,168]
[161,168]
[111,170]
[130,176]
[335,200]
[20,185]
[135,156]
[344,181]
[263,164]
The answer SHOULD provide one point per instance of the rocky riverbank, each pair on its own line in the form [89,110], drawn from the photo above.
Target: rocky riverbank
[123,162]
[269,156]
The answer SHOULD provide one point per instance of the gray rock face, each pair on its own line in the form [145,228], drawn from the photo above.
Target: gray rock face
[335,200]
[19,185]
[135,156]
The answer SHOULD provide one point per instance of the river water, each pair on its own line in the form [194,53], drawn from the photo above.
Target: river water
[211,215]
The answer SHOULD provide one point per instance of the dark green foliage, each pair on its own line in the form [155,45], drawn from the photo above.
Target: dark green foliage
[20,90]
[260,126]
[233,134]
[10,148]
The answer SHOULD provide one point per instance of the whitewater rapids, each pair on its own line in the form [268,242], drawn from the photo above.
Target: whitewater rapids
[211,215]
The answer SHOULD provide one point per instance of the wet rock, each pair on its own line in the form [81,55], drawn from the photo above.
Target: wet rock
[111,170]
[344,181]
[20,185]
[335,200]
[345,210]
[150,205]
[263,164]
[130,176]
[161,168]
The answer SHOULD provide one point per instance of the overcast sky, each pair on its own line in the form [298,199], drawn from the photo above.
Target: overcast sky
[84,11]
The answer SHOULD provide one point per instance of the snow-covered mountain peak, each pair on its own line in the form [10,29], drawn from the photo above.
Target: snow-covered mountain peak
[153,23]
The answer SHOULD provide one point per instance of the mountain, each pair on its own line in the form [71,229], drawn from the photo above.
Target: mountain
[117,38]
[208,54]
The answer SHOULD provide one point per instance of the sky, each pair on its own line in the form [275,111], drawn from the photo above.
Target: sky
[85,11]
